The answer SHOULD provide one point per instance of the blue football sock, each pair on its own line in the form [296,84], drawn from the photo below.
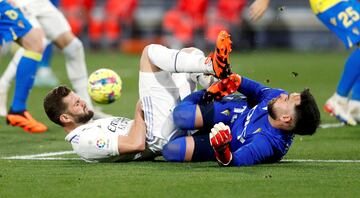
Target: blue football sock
[350,74]
[175,150]
[24,80]
[46,58]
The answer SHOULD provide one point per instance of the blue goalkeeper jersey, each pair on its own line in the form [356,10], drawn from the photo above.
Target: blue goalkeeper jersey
[13,24]
[341,17]
[254,139]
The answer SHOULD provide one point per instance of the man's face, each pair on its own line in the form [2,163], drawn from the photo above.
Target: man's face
[284,105]
[77,108]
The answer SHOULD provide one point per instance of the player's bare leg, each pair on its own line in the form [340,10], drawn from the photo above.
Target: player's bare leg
[32,43]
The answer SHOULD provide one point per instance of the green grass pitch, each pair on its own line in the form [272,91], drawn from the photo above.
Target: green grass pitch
[293,71]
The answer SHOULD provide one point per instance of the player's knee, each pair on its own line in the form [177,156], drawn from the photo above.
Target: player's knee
[73,49]
[144,54]
[175,150]
[145,63]
[184,116]
[65,39]
[193,50]
[34,41]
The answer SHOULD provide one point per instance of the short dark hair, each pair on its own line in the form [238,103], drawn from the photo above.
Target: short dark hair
[54,105]
[307,115]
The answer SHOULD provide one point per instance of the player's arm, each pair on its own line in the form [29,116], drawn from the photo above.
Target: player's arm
[257,9]
[135,141]
[259,150]
[257,91]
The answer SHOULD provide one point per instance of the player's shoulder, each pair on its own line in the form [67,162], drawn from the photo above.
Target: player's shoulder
[87,128]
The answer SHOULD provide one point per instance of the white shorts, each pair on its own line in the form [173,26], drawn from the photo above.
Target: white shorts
[43,14]
[159,96]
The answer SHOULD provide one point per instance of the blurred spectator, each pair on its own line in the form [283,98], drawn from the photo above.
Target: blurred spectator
[189,18]
[182,21]
[77,13]
[118,20]
[228,16]
[107,21]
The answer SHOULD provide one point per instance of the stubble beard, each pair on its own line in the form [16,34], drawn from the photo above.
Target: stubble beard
[85,118]
[271,110]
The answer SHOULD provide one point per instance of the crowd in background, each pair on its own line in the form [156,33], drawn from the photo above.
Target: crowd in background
[109,23]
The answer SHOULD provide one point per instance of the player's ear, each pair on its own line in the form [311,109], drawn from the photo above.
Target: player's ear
[286,118]
[64,118]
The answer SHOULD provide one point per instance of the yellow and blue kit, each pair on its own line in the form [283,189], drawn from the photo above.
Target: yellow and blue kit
[341,16]
[13,24]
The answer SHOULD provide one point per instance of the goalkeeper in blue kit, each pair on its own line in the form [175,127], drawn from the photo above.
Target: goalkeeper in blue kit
[256,126]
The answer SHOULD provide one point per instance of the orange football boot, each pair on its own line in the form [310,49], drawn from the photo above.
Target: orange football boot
[222,88]
[25,121]
[220,58]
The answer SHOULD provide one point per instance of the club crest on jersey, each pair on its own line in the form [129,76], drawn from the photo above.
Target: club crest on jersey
[21,24]
[226,112]
[257,131]
[100,143]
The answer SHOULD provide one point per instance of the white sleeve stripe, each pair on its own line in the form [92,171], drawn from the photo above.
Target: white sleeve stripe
[148,112]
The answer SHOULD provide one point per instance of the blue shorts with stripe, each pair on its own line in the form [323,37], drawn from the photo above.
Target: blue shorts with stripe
[344,20]
[13,24]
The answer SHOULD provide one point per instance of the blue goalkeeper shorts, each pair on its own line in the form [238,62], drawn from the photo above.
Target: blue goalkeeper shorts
[13,24]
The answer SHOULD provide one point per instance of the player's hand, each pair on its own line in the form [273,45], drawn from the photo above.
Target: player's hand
[220,137]
[257,9]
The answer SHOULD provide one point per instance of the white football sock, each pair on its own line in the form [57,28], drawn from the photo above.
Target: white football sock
[10,72]
[202,79]
[76,69]
[177,61]
[340,99]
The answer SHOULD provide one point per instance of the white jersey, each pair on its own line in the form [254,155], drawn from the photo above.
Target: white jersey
[97,141]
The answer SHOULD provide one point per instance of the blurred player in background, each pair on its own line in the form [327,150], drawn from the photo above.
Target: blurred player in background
[160,89]
[343,18]
[42,14]
[14,27]
[45,77]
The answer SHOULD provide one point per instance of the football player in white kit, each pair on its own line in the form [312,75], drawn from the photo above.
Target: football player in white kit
[160,89]
[43,14]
